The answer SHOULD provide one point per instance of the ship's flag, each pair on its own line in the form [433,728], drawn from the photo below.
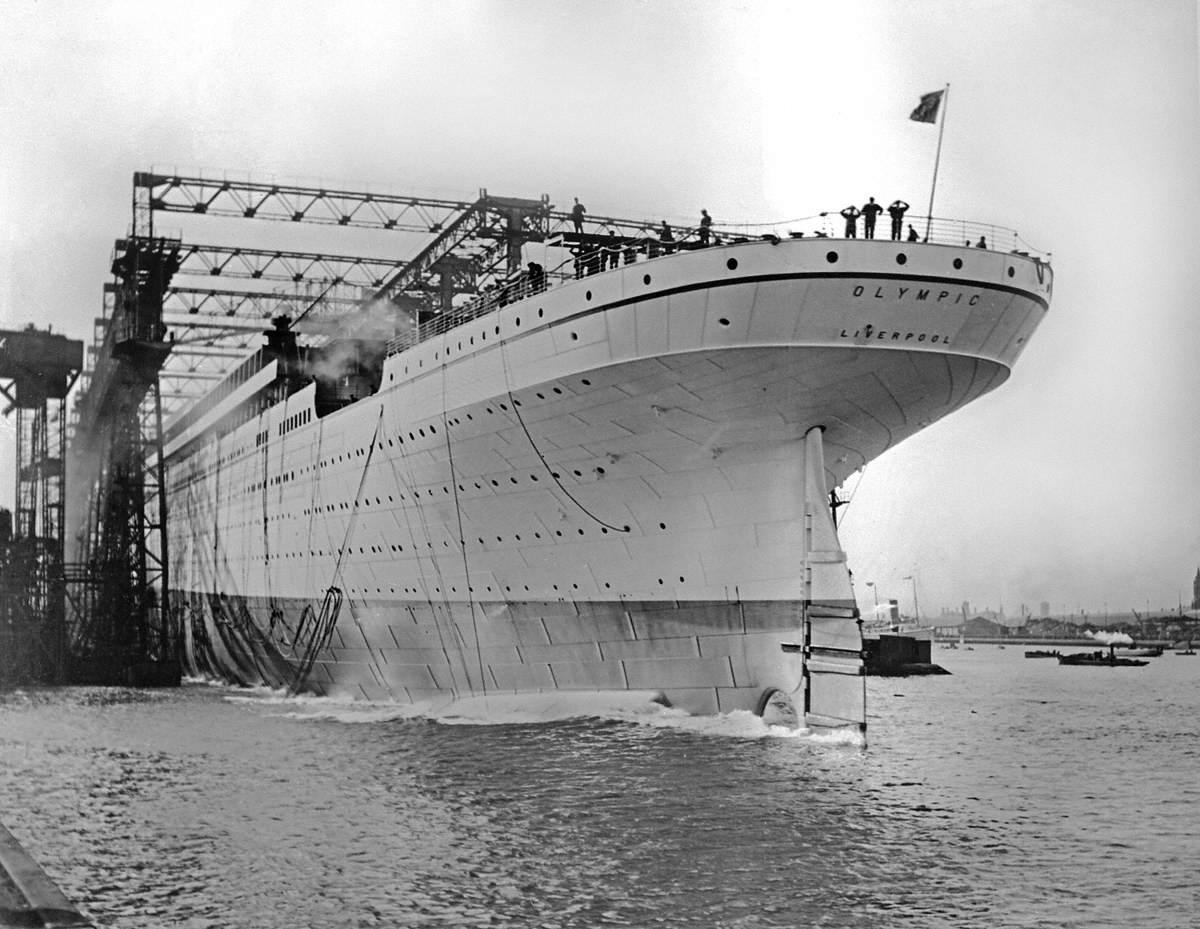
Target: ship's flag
[927,109]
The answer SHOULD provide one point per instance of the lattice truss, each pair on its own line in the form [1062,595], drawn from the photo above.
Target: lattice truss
[437,254]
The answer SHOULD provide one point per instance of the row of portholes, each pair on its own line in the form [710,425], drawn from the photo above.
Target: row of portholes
[487,589]
[471,340]
[731,264]
[901,258]
[598,470]
[383,550]
[412,435]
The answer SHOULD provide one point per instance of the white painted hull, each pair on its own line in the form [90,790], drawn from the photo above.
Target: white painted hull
[597,487]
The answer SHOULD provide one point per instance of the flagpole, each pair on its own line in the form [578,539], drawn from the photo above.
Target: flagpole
[937,159]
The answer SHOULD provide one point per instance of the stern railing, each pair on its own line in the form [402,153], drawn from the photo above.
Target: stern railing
[628,250]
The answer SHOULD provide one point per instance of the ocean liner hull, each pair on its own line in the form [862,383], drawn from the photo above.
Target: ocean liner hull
[615,484]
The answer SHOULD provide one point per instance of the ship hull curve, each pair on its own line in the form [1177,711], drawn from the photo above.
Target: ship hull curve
[564,496]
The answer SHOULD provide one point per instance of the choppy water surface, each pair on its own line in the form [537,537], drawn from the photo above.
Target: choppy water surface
[1015,793]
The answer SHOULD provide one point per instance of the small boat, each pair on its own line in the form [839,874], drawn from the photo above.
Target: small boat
[1042,654]
[1101,659]
[1152,651]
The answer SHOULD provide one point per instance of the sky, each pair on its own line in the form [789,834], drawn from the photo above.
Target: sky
[1075,122]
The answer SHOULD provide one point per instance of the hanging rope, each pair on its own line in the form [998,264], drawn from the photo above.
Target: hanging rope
[331,604]
[516,408]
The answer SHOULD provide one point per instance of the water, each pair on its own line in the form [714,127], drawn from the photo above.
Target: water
[1015,793]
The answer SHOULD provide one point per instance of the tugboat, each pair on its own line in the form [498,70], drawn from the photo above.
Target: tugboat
[1099,659]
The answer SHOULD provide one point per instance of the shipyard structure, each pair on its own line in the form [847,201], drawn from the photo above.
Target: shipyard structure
[541,453]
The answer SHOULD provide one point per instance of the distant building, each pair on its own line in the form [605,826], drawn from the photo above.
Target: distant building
[982,627]
[1196,591]
[1045,609]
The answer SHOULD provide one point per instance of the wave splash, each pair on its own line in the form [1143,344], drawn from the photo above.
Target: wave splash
[643,708]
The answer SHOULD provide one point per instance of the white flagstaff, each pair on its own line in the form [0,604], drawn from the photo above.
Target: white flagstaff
[945,103]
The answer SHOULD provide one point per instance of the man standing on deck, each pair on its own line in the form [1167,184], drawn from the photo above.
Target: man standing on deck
[851,214]
[870,212]
[705,226]
[896,211]
[577,212]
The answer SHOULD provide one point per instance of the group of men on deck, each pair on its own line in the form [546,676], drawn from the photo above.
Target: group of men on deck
[870,212]
[665,234]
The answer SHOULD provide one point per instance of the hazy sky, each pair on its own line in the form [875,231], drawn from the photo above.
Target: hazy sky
[1075,122]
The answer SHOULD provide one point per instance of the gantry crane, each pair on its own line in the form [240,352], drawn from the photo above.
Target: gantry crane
[37,370]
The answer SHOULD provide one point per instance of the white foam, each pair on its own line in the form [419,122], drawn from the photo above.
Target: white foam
[641,708]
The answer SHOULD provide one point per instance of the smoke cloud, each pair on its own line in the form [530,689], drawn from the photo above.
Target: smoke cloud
[1109,638]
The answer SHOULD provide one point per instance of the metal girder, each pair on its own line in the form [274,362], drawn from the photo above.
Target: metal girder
[498,226]
[228,324]
[251,304]
[285,266]
[193,375]
[292,203]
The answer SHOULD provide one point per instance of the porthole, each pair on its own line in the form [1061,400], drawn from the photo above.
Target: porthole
[1012,272]
[732,264]
[574,336]
[540,312]
[957,264]
[723,321]
[588,295]
[518,322]
[586,382]
[901,259]
[645,278]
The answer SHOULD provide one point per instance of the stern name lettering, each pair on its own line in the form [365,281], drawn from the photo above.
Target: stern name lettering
[924,294]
